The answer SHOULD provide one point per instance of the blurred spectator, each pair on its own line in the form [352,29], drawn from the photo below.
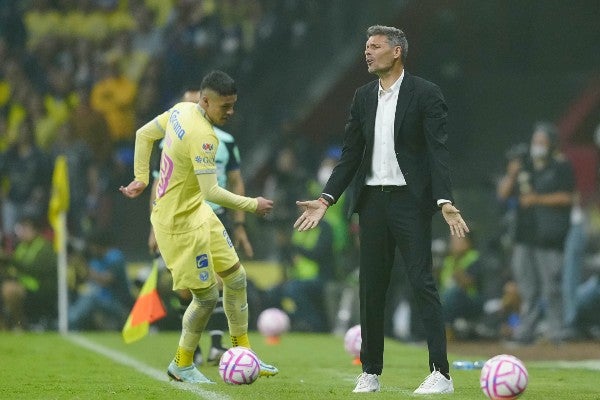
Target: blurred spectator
[148,104]
[343,263]
[29,279]
[461,281]
[192,37]
[311,268]
[587,303]
[90,127]
[575,245]
[131,61]
[148,36]
[545,187]
[27,174]
[285,183]
[104,299]
[114,97]
[83,174]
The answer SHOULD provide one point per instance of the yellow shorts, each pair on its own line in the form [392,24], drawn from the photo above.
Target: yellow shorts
[194,257]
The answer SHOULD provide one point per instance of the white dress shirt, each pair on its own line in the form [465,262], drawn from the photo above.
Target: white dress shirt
[384,168]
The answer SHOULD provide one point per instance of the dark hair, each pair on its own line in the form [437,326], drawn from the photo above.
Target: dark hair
[395,36]
[219,82]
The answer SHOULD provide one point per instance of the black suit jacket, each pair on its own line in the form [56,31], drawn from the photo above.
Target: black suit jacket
[419,138]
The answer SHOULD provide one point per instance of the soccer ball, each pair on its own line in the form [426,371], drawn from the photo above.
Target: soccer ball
[352,341]
[273,322]
[239,366]
[503,377]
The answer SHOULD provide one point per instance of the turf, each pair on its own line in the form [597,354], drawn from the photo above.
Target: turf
[49,366]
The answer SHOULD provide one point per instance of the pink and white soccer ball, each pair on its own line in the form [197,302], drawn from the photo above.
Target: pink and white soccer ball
[273,322]
[239,366]
[353,340]
[503,377]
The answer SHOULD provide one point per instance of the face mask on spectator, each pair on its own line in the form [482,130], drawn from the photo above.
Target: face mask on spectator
[538,151]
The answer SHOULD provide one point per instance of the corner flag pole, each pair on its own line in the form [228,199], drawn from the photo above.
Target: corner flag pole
[57,216]
[63,294]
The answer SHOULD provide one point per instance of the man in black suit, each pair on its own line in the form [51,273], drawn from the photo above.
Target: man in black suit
[395,161]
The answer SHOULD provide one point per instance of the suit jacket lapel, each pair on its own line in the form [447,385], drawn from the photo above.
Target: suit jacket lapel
[405,95]
[371,111]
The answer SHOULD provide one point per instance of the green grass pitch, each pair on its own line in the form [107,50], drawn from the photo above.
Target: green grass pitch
[49,366]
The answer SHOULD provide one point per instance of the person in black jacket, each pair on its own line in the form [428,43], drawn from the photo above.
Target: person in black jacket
[395,160]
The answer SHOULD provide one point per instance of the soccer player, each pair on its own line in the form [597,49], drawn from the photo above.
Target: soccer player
[193,242]
[229,176]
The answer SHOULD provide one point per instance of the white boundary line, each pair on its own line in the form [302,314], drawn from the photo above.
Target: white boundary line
[142,368]
[593,365]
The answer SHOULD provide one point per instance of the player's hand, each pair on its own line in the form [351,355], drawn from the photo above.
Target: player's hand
[133,190]
[264,206]
[313,212]
[240,240]
[452,216]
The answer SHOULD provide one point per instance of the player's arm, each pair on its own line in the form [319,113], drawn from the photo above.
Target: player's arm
[144,142]
[216,194]
[235,185]
[240,237]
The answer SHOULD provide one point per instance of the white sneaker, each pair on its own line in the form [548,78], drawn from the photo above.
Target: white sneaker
[435,383]
[367,383]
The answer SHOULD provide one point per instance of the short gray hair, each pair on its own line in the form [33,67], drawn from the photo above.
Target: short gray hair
[395,36]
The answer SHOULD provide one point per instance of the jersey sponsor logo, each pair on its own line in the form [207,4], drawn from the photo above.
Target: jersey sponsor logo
[202,261]
[208,146]
[203,276]
[226,236]
[179,131]
[204,160]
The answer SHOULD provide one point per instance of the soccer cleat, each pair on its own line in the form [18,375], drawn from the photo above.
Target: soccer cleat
[186,374]
[435,383]
[214,355]
[267,370]
[366,383]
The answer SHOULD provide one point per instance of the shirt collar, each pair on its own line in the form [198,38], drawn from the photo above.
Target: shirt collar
[395,88]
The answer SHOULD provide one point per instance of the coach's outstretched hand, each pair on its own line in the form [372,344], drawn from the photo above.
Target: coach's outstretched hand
[452,216]
[313,212]
[133,190]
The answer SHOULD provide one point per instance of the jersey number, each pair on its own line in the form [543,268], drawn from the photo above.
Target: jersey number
[166,170]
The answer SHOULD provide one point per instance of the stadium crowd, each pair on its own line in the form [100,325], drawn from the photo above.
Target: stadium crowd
[78,77]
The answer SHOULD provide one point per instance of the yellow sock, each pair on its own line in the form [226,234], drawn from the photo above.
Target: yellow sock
[183,357]
[241,340]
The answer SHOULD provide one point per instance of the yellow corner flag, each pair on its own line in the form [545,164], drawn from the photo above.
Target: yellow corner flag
[147,309]
[59,200]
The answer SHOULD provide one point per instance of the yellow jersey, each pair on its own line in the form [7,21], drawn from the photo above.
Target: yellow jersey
[190,146]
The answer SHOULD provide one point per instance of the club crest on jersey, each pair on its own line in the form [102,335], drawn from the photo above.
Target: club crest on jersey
[202,261]
[207,146]
[203,276]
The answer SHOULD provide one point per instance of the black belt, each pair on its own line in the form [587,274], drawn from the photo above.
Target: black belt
[386,188]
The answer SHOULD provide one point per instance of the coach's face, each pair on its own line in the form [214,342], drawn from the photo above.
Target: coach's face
[218,108]
[380,55]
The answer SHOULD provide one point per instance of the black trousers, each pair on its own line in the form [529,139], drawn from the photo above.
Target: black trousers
[388,219]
